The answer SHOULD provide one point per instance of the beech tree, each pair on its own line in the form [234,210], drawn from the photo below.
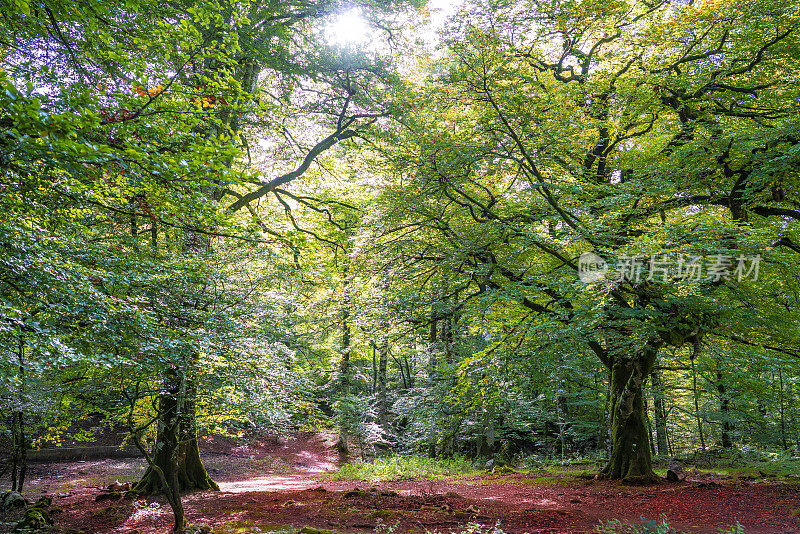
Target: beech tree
[224,71]
[633,130]
[180,178]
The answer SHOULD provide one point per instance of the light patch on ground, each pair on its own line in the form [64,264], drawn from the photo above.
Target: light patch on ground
[270,483]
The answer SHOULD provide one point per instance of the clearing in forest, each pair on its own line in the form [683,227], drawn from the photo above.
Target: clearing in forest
[275,485]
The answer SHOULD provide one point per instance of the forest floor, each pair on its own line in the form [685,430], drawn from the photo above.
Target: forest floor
[275,485]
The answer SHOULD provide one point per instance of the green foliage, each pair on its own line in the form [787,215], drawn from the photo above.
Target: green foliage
[748,462]
[615,526]
[477,528]
[420,282]
[406,467]
[524,149]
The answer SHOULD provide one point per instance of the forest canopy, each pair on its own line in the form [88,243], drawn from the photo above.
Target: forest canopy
[504,229]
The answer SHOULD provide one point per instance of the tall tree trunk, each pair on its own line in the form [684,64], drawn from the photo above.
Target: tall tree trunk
[782,410]
[177,453]
[342,387]
[23,452]
[383,406]
[176,438]
[19,447]
[344,364]
[374,347]
[433,346]
[660,413]
[402,370]
[13,460]
[648,425]
[18,451]
[168,446]
[724,409]
[183,469]
[344,374]
[792,414]
[408,371]
[630,458]
[697,402]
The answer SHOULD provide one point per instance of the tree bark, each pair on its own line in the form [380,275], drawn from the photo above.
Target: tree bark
[648,425]
[170,486]
[18,451]
[383,407]
[177,453]
[724,409]
[23,452]
[409,374]
[19,447]
[782,410]
[697,402]
[792,414]
[346,349]
[630,459]
[13,460]
[660,413]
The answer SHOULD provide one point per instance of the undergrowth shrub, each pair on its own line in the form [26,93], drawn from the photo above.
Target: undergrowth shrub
[473,528]
[649,526]
[403,467]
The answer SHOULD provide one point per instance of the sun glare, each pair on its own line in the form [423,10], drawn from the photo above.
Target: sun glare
[348,28]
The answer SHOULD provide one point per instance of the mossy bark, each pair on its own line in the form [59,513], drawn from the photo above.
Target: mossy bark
[177,453]
[631,459]
[188,468]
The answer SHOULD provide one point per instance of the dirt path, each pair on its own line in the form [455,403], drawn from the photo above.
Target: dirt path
[278,483]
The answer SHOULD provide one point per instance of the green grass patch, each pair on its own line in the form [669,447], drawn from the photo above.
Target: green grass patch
[405,467]
[577,472]
[118,513]
[252,527]
[745,462]
[645,526]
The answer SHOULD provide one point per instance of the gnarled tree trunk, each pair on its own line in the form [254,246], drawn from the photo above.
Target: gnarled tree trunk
[631,458]
[177,453]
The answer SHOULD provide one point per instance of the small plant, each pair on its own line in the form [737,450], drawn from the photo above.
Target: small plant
[474,528]
[382,528]
[735,529]
[649,526]
[646,526]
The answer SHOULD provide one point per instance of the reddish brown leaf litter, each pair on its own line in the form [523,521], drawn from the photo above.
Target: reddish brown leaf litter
[280,483]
